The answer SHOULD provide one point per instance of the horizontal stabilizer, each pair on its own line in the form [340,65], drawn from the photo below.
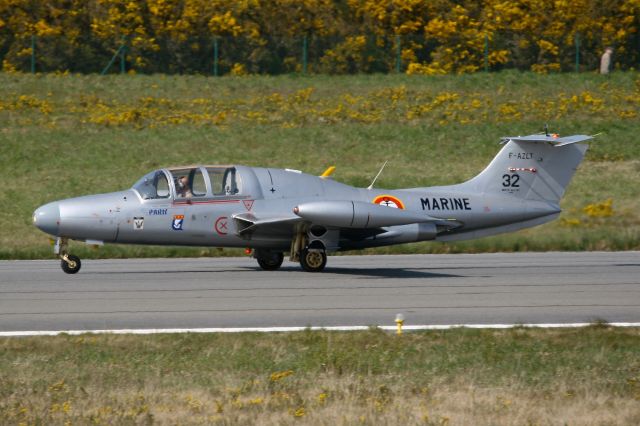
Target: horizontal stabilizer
[552,139]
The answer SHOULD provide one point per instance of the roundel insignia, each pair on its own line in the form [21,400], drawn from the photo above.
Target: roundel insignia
[389,201]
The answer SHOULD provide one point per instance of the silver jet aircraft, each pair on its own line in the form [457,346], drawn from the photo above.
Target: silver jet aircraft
[273,211]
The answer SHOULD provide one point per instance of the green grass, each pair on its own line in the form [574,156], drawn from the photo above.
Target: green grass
[64,136]
[462,376]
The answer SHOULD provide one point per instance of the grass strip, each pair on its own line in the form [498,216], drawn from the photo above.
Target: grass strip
[462,376]
[69,135]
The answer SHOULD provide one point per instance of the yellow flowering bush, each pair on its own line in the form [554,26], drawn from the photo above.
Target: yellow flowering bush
[602,209]
[439,36]
[347,57]
[398,104]
[279,375]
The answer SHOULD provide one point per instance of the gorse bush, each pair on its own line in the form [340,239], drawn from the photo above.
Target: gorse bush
[341,36]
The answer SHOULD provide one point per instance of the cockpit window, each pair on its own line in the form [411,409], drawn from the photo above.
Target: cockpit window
[189,183]
[223,180]
[199,185]
[216,175]
[153,185]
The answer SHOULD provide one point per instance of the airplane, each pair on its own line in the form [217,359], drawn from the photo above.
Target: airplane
[273,211]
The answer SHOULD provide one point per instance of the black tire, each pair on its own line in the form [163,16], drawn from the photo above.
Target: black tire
[67,268]
[314,260]
[271,262]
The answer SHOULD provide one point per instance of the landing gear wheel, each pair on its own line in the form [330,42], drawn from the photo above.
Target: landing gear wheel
[272,262]
[313,260]
[71,264]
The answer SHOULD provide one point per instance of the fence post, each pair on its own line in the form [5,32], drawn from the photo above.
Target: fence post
[33,54]
[486,53]
[123,50]
[215,56]
[577,52]
[113,58]
[304,54]
[398,54]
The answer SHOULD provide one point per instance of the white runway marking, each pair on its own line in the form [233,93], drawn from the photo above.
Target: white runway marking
[290,329]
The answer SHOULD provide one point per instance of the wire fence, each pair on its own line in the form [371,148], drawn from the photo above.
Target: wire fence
[217,56]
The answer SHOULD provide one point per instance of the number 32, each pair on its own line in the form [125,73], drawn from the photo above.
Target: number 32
[511,181]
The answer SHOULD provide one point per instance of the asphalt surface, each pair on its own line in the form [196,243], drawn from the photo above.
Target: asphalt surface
[354,290]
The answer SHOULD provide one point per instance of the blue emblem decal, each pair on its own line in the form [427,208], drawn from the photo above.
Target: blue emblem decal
[178,220]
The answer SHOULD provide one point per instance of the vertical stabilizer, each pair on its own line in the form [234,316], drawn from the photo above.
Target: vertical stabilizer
[536,168]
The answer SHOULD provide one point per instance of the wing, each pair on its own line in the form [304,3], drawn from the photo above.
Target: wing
[247,224]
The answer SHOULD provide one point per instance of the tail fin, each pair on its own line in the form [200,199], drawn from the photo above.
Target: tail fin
[535,167]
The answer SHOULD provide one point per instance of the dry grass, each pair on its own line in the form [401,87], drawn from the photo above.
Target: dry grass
[335,400]
[457,377]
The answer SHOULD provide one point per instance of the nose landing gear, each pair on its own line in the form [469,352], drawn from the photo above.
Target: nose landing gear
[68,262]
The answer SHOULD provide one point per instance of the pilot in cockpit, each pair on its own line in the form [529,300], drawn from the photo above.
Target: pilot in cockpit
[182,187]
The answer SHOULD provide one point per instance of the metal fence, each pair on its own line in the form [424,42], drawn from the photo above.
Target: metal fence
[218,56]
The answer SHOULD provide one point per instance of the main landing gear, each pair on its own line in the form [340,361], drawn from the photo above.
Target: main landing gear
[268,260]
[313,260]
[312,256]
[68,262]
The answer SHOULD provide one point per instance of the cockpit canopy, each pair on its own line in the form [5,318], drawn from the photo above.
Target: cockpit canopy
[190,182]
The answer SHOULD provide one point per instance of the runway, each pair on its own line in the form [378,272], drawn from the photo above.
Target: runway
[515,288]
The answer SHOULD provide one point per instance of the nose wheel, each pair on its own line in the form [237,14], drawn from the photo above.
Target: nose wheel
[69,263]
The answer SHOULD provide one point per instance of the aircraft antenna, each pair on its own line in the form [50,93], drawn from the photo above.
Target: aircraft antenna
[376,178]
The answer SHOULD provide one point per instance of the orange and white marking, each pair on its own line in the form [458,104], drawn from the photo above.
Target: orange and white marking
[389,201]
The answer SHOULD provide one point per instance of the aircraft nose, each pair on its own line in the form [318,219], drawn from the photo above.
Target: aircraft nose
[47,218]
